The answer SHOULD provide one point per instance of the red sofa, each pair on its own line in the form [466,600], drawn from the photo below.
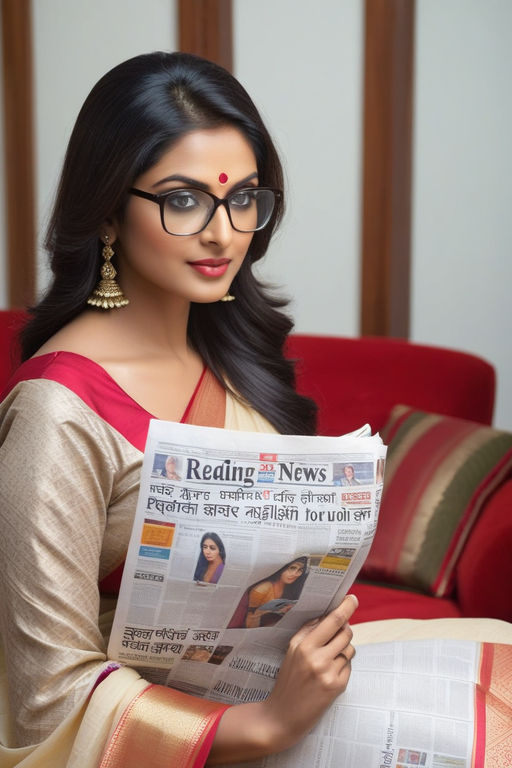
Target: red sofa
[357,381]
[10,322]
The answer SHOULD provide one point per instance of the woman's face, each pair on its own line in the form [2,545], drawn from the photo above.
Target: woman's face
[210,550]
[170,465]
[292,572]
[197,267]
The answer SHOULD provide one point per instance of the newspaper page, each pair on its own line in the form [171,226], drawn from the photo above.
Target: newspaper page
[415,703]
[289,520]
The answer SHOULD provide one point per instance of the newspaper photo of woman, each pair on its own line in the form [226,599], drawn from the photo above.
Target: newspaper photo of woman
[264,603]
[211,560]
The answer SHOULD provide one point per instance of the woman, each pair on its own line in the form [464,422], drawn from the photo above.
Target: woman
[172,181]
[212,559]
[262,602]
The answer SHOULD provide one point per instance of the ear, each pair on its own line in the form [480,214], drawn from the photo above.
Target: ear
[108,232]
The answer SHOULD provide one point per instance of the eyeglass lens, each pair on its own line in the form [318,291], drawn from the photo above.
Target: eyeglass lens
[187,211]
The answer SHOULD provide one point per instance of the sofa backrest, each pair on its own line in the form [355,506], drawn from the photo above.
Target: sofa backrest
[355,381]
[358,381]
[11,320]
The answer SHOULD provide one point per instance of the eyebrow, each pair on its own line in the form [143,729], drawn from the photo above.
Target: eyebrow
[201,184]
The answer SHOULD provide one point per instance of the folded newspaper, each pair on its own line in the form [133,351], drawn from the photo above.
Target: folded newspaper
[238,539]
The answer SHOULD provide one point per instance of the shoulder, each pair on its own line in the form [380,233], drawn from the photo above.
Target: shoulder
[262,590]
[46,389]
[58,381]
[41,401]
[41,416]
[67,368]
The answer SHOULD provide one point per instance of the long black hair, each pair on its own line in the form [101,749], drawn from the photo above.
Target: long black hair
[130,118]
[202,562]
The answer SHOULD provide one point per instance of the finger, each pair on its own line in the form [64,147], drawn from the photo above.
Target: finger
[342,662]
[347,654]
[339,642]
[331,624]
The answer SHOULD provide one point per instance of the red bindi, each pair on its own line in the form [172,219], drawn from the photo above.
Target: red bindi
[223,177]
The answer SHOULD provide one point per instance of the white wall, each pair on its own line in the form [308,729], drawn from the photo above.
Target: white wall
[462,215]
[74,44]
[302,64]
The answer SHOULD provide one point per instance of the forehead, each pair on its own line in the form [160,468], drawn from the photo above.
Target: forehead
[203,155]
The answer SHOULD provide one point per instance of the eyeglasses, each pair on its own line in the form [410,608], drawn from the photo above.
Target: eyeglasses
[188,211]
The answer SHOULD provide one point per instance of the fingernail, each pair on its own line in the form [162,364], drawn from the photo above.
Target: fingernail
[354,598]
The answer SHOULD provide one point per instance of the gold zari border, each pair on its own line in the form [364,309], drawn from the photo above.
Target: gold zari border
[161,727]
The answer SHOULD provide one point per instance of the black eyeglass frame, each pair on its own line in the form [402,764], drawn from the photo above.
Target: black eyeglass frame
[160,199]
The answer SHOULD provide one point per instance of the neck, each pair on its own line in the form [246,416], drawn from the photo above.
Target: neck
[158,328]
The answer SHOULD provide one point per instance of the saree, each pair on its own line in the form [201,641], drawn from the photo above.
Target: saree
[71,448]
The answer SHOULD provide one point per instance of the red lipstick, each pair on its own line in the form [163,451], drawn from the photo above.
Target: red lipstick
[210,267]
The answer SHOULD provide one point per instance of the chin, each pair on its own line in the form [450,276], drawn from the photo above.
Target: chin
[212,298]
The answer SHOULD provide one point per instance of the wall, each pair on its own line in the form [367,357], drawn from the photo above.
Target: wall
[462,222]
[73,46]
[302,64]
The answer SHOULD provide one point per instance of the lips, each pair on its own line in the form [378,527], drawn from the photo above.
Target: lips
[210,267]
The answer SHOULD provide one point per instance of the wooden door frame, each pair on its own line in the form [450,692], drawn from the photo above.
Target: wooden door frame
[206,29]
[387,168]
[20,193]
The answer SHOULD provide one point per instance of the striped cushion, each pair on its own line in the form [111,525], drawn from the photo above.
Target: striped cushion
[440,471]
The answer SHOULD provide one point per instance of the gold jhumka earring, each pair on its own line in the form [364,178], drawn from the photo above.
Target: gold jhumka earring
[228,297]
[107,294]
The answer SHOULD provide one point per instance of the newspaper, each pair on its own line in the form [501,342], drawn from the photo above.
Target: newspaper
[306,507]
[293,518]
[428,703]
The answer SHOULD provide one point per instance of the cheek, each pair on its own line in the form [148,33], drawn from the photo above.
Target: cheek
[143,233]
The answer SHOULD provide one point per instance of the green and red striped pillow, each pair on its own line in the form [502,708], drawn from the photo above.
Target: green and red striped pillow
[439,473]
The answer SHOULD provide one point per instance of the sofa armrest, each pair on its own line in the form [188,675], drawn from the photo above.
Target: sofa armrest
[484,571]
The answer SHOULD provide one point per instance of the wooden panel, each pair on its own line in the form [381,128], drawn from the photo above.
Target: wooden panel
[387,158]
[19,151]
[205,28]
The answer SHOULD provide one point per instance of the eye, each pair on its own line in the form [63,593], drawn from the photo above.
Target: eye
[242,199]
[182,200]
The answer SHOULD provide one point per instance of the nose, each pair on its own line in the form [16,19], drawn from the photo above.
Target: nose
[219,230]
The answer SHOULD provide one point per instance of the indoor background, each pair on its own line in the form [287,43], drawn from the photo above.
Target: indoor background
[304,65]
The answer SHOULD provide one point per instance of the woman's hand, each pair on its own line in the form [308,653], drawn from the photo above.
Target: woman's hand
[315,670]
